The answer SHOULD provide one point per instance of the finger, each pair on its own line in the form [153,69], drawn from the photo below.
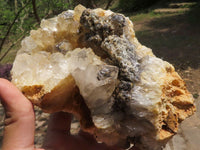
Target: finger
[60,122]
[19,122]
[58,129]
[90,142]
[134,148]
[90,138]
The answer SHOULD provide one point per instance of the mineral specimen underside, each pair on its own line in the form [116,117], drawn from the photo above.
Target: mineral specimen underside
[89,62]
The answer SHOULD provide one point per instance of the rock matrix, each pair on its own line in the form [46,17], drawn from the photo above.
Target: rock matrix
[89,63]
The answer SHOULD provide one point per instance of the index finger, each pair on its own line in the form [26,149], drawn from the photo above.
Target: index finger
[58,129]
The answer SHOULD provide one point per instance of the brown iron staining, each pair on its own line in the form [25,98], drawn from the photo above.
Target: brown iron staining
[178,101]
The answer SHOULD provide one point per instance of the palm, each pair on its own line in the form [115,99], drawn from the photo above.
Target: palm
[58,136]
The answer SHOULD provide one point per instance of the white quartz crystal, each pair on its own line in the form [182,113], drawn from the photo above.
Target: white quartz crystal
[44,68]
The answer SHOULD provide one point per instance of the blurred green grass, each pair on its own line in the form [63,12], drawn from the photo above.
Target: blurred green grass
[172,36]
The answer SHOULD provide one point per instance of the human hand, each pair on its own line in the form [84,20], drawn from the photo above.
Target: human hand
[20,126]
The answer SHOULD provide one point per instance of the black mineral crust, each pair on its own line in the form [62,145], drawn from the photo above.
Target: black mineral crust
[96,28]
[105,35]
[122,53]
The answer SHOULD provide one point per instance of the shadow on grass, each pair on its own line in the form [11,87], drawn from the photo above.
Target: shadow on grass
[175,38]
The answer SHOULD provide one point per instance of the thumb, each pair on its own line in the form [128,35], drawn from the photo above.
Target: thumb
[19,122]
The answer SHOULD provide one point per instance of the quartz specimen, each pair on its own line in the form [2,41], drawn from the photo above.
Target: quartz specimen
[89,63]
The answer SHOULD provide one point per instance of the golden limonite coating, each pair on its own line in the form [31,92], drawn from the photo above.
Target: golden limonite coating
[89,63]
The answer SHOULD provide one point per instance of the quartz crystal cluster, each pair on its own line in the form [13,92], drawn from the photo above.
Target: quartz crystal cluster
[89,63]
